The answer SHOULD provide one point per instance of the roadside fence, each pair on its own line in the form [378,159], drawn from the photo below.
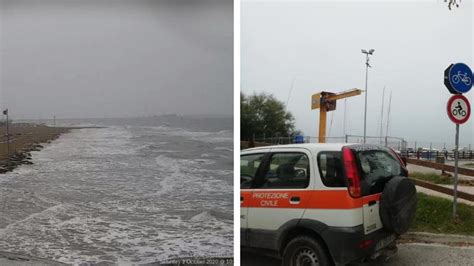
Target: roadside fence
[424,150]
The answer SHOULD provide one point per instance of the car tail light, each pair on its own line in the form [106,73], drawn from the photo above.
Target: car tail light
[350,167]
[400,160]
[366,243]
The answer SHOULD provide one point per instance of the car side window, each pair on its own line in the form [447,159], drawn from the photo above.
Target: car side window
[330,169]
[249,165]
[286,170]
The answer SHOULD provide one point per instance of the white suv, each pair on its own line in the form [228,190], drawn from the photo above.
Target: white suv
[318,204]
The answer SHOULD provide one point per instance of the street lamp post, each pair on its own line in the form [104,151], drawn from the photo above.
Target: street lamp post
[367,65]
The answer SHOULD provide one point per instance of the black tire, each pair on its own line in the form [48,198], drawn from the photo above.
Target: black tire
[398,204]
[304,250]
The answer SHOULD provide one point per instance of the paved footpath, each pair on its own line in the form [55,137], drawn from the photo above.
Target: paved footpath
[432,254]
[417,248]
[419,254]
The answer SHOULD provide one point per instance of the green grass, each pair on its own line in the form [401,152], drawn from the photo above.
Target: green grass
[434,215]
[433,178]
[469,165]
[440,179]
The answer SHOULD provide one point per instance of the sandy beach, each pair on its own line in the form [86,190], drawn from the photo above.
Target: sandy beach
[24,138]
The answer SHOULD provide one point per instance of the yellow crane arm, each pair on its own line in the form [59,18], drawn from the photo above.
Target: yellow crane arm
[344,94]
[325,102]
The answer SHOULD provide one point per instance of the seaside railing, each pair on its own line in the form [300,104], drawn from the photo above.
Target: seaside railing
[424,150]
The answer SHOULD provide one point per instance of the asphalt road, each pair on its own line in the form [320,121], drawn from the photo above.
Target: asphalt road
[408,254]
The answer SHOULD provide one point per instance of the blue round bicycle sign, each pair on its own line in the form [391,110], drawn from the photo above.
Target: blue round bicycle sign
[458,78]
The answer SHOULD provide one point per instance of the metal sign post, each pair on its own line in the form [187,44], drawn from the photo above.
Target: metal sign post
[8,137]
[456,163]
[459,110]
[458,80]
[5,112]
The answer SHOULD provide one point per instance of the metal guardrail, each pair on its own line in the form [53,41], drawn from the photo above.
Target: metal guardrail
[432,155]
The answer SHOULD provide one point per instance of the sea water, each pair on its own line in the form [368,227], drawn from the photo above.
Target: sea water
[137,190]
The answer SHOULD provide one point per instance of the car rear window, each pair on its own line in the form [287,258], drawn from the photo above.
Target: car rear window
[376,167]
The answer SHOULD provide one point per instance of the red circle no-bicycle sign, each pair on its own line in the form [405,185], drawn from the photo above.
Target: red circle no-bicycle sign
[459,109]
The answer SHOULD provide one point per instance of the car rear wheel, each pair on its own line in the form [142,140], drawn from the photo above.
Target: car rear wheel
[305,251]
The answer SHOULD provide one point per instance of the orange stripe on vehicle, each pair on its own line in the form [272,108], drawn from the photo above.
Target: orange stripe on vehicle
[308,199]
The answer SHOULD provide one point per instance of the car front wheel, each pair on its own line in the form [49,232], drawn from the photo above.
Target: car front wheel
[305,251]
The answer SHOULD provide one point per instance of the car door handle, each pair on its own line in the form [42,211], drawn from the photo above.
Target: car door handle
[241,199]
[295,200]
[372,202]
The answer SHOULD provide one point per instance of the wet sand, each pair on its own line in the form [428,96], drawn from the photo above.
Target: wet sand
[24,138]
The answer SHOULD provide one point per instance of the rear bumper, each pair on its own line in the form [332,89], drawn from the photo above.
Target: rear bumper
[344,243]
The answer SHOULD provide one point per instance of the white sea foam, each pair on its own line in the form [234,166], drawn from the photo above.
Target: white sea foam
[203,216]
[224,149]
[172,170]
[204,136]
[177,171]
[95,195]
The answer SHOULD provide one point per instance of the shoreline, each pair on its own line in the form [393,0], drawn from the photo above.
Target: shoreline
[24,139]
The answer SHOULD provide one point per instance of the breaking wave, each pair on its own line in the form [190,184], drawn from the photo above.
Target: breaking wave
[122,195]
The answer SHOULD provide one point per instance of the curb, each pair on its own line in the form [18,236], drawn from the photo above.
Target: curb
[444,239]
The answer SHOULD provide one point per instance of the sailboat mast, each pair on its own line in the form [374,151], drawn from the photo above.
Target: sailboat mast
[388,114]
[381,116]
[345,112]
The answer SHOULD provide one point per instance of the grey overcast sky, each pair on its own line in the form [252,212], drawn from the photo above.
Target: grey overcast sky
[319,45]
[115,58]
